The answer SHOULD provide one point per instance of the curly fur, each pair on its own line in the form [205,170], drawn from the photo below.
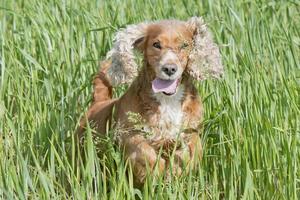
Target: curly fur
[204,59]
[124,68]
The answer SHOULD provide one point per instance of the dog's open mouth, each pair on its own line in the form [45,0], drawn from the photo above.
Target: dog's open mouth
[168,87]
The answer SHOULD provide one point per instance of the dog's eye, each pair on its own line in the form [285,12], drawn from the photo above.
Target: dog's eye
[184,45]
[157,45]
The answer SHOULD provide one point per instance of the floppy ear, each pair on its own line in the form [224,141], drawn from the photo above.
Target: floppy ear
[123,67]
[204,59]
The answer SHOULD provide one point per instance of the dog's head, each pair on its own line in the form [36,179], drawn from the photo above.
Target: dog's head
[170,48]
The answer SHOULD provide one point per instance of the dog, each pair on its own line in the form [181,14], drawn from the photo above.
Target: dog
[161,113]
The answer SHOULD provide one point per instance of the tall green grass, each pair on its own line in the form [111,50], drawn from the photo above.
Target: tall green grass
[50,50]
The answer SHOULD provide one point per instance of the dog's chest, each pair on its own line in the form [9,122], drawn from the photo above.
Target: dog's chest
[170,116]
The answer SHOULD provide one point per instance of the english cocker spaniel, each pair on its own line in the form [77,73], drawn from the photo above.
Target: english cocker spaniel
[161,112]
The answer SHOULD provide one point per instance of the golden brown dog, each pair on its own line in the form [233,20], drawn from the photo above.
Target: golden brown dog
[161,112]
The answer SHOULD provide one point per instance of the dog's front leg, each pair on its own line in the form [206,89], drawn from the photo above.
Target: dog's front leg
[190,154]
[182,154]
[142,157]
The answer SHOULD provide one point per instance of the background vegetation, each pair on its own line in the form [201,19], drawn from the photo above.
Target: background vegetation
[49,52]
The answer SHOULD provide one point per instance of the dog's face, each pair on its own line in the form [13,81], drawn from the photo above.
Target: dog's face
[167,48]
[170,47]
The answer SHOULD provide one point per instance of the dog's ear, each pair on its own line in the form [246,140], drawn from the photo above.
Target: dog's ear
[123,67]
[204,60]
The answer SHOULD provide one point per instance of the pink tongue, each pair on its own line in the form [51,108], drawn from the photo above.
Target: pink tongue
[167,86]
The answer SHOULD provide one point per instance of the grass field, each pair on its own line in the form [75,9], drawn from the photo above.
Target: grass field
[50,50]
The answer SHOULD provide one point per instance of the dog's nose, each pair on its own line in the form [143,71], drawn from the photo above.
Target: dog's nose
[169,69]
